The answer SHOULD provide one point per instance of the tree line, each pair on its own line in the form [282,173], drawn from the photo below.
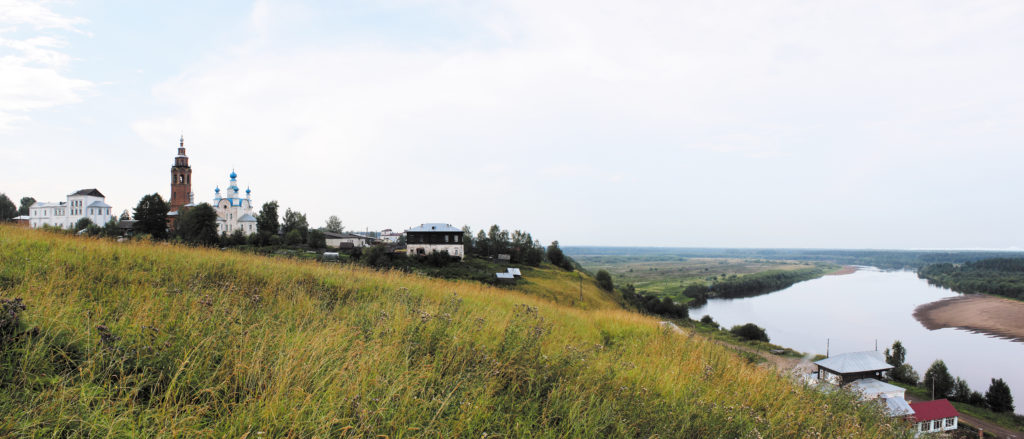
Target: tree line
[9,211]
[998,276]
[942,384]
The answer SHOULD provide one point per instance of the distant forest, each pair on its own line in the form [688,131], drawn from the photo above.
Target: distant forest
[998,276]
[751,284]
[885,259]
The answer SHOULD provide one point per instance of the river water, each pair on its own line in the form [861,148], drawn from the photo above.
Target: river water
[851,312]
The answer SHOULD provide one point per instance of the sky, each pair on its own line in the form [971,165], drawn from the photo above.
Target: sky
[868,124]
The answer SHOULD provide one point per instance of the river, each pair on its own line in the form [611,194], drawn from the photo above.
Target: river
[850,312]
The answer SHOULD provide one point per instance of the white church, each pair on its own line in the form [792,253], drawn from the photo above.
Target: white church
[233,211]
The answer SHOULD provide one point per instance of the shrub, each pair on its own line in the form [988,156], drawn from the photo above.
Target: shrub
[750,331]
[998,396]
[604,280]
[707,320]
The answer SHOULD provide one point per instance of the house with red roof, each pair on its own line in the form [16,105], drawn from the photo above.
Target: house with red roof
[934,416]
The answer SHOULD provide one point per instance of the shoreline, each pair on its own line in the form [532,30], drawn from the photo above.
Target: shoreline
[846,269]
[979,313]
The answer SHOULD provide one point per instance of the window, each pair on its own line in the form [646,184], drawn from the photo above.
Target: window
[950,422]
[446,238]
[936,424]
[456,238]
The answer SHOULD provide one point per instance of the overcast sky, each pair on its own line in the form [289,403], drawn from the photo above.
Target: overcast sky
[728,124]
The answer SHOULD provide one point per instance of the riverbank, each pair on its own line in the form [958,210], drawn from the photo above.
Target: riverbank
[846,269]
[977,313]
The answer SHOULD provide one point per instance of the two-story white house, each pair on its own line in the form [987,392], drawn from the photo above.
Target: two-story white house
[86,203]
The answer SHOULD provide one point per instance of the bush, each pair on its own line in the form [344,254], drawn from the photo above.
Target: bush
[707,320]
[376,256]
[604,280]
[317,239]
[82,224]
[905,374]
[293,237]
[750,331]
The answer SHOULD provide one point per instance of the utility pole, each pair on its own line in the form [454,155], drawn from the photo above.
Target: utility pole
[827,344]
[580,277]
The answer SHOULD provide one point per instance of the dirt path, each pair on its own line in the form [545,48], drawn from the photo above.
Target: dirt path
[975,312]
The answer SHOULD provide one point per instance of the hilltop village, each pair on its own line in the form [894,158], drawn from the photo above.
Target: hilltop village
[235,220]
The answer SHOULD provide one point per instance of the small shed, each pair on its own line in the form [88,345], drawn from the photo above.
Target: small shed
[330,256]
[506,277]
[515,272]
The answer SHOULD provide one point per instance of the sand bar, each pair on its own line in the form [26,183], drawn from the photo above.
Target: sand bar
[975,312]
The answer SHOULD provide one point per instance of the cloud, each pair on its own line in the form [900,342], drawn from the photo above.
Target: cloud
[608,96]
[32,62]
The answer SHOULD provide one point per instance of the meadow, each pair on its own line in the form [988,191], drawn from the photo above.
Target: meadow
[158,340]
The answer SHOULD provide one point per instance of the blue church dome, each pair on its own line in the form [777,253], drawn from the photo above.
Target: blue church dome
[247,190]
[233,174]
[217,190]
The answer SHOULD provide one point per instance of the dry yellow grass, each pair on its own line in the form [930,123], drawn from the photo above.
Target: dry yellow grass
[158,340]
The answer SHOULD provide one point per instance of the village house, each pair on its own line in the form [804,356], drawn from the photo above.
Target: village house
[86,203]
[861,372]
[389,236]
[935,416]
[347,240]
[434,237]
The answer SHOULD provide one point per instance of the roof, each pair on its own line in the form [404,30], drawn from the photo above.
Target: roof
[852,362]
[932,410]
[896,407]
[98,204]
[91,192]
[504,275]
[247,219]
[126,224]
[514,271]
[434,227]
[870,387]
[336,235]
[22,217]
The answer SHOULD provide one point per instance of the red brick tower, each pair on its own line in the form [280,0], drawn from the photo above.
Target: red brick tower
[181,179]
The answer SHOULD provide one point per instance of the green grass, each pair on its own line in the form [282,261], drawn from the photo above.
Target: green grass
[157,340]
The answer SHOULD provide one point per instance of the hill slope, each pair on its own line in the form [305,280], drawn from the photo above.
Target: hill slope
[159,340]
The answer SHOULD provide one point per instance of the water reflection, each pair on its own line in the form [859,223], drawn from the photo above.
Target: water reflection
[855,310]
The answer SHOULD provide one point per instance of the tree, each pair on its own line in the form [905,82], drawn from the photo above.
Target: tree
[604,280]
[961,391]
[82,224]
[7,208]
[26,203]
[295,220]
[293,237]
[197,225]
[481,244]
[266,222]
[110,229]
[151,216]
[998,396]
[317,239]
[897,356]
[707,320]
[905,374]
[938,375]
[750,331]
[467,240]
[558,258]
[125,215]
[334,224]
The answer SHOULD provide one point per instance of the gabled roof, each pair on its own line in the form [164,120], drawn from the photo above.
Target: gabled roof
[343,235]
[932,410]
[434,227]
[852,362]
[91,192]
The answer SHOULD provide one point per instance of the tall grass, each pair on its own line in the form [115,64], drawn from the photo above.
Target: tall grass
[148,340]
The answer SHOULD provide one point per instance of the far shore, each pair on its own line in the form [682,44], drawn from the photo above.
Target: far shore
[982,313]
[847,269]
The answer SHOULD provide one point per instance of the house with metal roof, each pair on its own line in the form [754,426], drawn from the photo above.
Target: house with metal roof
[347,240]
[429,238]
[935,416]
[893,397]
[851,366]
[84,203]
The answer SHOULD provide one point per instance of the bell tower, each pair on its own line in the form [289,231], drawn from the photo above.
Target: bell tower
[181,179]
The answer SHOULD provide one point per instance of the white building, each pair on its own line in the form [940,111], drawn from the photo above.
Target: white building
[434,237]
[935,416]
[389,236]
[233,211]
[347,240]
[86,203]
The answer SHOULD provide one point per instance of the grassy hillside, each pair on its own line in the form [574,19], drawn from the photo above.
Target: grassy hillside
[153,340]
